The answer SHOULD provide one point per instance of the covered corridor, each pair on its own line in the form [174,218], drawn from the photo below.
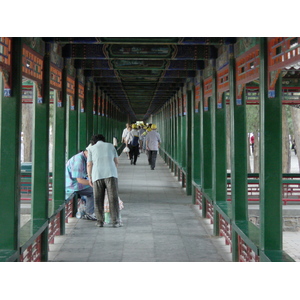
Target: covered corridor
[196,90]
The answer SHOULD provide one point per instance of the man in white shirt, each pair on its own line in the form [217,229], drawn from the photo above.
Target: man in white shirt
[124,135]
[125,131]
[102,166]
[152,145]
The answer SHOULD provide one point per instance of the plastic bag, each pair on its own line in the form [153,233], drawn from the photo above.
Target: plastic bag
[126,149]
[81,209]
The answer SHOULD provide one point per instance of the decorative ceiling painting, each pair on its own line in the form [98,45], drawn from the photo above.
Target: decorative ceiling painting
[140,74]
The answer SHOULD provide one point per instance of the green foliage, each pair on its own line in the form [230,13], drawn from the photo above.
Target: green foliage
[252,112]
[253,118]
[289,118]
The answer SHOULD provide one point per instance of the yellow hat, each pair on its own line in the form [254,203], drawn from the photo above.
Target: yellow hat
[153,126]
[149,129]
[134,126]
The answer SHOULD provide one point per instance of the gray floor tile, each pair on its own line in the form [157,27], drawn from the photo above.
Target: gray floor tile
[160,224]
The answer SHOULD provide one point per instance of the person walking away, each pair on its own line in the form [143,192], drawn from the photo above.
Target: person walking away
[132,141]
[252,143]
[77,181]
[142,138]
[126,139]
[124,134]
[145,135]
[102,170]
[152,144]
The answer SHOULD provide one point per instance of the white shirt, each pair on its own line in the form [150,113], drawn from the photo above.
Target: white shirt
[102,156]
[125,131]
[130,135]
[153,138]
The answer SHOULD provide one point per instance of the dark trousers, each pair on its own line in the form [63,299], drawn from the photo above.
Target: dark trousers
[134,152]
[111,185]
[152,158]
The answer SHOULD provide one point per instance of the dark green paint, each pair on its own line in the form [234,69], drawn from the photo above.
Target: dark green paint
[270,159]
[239,200]
[189,152]
[40,153]
[10,138]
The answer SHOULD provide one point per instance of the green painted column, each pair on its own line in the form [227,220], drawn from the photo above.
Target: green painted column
[195,145]
[169,133]
[173,134]
[72,112]
[183,139]
[219,172]
[189,130]
[220,176]
[219,155]
[95,113]
[40,145]
[206,173]
[179,134]
[176,131]
[270,159]
[99,123]
[95,123]
[239,199]
[59,146]
[89,98]
[183,145]
[10,155]
[207,148]
[82,129]
[73,133]
[40,157]
[202,170]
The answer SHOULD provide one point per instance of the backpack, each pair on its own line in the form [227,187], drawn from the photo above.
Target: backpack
[135,141]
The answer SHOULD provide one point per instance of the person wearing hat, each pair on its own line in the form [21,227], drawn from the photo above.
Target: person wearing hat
[77,181]
[152,144]
[132,141]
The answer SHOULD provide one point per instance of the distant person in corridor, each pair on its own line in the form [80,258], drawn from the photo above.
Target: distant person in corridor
[152,145]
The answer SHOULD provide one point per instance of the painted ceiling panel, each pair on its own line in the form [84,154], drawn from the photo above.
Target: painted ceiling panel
[139,74]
